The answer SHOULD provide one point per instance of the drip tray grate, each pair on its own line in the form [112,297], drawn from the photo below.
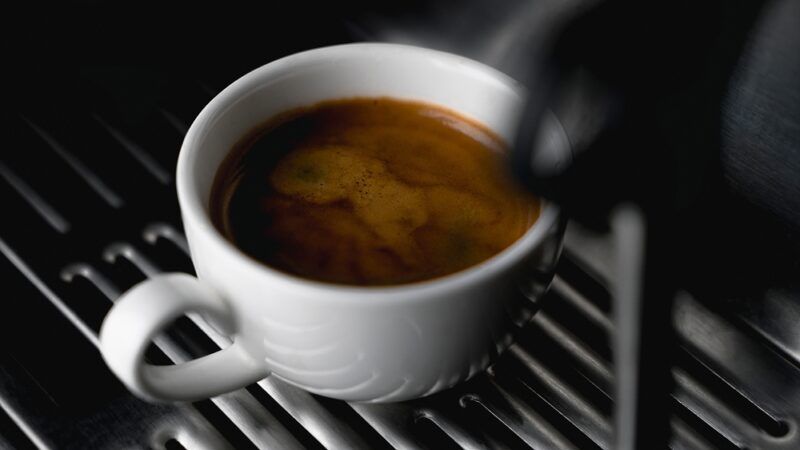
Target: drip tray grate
[550,390]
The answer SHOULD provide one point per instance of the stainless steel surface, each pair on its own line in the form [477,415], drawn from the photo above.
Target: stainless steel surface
[552,390]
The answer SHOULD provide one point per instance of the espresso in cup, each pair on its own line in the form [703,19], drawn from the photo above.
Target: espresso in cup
[370,192]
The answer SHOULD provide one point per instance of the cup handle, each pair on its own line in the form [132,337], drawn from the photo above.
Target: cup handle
[142,312]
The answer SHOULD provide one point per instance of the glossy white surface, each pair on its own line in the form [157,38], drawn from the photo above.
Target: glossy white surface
[352,343]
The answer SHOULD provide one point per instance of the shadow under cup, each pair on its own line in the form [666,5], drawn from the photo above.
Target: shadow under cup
[363,343]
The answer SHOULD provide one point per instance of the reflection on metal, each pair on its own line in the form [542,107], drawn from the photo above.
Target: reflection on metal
[173,120]
[158,230]
[19,418]
[88,175]
[88,272]
[127,251]
[48,293]
[48,213]
[137,152]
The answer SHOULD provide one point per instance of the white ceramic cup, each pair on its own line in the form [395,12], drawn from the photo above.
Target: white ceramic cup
[348,342]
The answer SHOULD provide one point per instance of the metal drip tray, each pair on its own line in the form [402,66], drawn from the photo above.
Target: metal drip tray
[736,387]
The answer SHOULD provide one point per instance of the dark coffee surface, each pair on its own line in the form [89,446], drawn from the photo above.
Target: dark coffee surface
[369,192]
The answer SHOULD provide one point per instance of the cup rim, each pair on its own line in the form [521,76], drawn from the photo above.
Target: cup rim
[193,206]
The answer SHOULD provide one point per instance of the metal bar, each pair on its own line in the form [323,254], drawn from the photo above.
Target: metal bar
[158,230]
[88,175]
[48,293]
[173,120]
[582,304]
[574,409]
[598,370]
[629,230]
[454,430]
[521,420]
[722,420]
[393,422]
[20,421]
[40,205]
[137,152]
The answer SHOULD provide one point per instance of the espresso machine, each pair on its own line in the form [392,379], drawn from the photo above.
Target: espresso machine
[668,132]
